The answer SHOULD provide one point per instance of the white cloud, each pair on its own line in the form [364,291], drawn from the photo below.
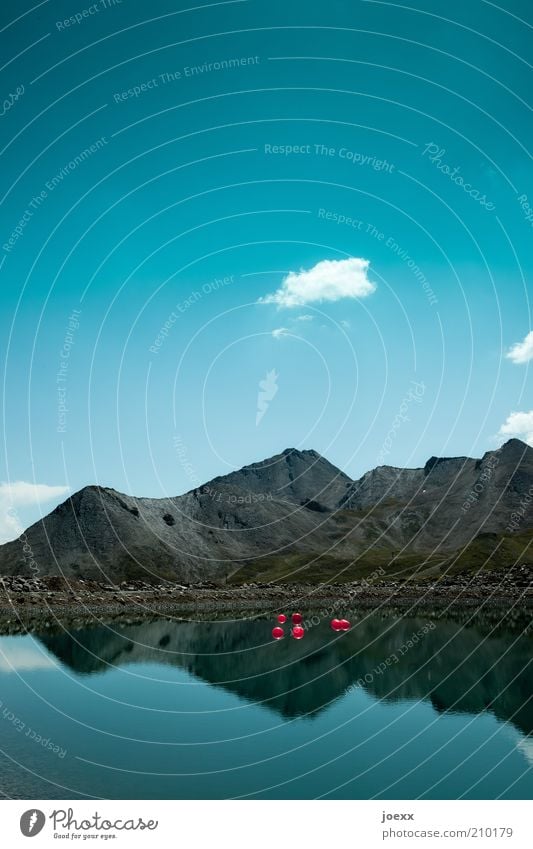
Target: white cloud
[305,317]
[519,425]
[21,494]
[329,280]
[279,332]
[345,324]
[522,352]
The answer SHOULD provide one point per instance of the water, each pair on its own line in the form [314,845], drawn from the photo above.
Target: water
[171,710]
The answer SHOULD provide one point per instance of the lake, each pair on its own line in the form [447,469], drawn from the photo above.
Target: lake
[395,708]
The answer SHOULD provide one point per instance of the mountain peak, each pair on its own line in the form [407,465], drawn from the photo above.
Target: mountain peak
[292,476]
[437,461]
[301,452]
[515,444]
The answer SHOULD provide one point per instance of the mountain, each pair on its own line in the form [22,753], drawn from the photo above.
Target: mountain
[294,516]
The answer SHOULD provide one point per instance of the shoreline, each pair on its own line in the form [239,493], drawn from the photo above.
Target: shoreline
[503,594]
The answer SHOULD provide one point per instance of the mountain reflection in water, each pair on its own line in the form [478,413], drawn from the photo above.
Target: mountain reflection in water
[457,668]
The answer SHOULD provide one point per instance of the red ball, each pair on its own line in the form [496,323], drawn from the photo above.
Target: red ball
[298,632]
[344,625]
[282,618]
[278,633]
[336,624]
[297,618]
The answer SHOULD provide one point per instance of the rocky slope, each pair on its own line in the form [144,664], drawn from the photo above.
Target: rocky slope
[294,516]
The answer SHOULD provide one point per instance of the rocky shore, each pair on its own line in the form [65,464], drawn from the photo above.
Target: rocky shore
[509,591]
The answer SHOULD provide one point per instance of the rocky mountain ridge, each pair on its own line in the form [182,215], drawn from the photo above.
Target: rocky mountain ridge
[293,516]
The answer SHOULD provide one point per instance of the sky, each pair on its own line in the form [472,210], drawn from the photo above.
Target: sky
[234,228]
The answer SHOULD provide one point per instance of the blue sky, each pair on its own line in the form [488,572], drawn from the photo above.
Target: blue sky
[251,226]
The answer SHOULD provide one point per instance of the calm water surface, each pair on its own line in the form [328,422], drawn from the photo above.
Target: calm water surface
[166,709]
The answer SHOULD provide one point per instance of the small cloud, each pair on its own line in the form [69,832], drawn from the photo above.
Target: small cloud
[329,280]
[279,332]
[268,388]
[21,494]
[522,352]
[518,425]
[305,317]
[345,324]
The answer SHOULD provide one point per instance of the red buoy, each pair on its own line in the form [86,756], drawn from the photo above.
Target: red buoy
[336,624]
[278,633]
[297,618]
[298,632]
[344,625]
[282,618]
